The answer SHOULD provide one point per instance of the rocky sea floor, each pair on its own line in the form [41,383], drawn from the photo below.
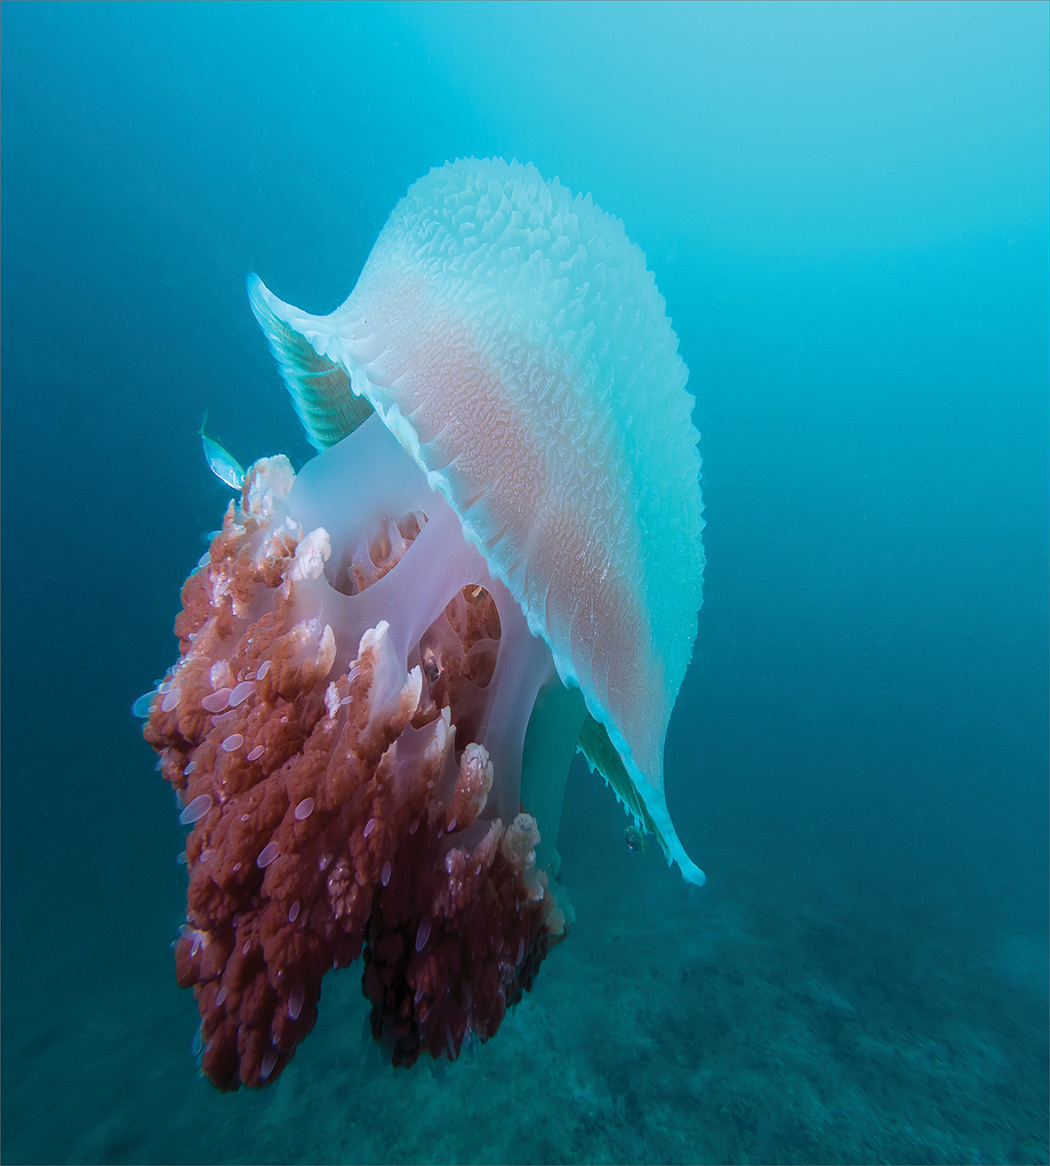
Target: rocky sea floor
[755,1020]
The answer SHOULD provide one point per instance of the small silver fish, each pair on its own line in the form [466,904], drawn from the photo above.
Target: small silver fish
[220,461]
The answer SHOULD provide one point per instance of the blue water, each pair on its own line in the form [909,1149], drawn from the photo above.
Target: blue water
[845,206]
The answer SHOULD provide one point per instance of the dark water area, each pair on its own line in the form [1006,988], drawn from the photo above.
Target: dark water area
[845,207]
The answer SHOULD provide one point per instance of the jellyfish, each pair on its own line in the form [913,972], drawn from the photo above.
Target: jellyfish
[388,659]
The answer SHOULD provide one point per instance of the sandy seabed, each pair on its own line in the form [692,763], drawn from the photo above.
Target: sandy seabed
[754,1020]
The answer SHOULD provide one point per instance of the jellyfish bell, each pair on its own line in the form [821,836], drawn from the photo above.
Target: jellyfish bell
[494,560]
[511,338]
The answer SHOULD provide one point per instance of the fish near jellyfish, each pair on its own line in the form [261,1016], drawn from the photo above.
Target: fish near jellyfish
[388,659]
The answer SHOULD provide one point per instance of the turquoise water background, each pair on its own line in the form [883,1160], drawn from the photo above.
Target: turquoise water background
[845,206]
